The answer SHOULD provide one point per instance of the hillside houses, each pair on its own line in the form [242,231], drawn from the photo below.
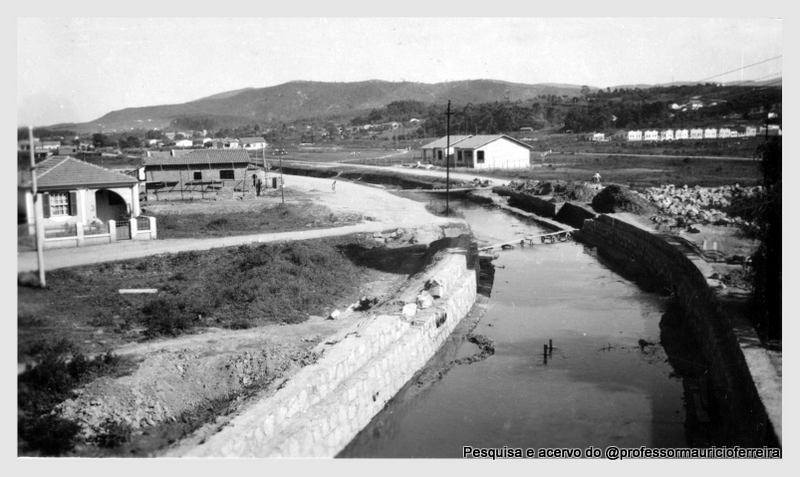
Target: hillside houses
[700,133]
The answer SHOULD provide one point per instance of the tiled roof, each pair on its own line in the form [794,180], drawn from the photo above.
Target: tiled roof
[442,142]
[202,156]
[474,142]
[66,172]
[252,139]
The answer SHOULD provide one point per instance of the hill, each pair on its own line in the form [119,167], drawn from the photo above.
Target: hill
[310,99]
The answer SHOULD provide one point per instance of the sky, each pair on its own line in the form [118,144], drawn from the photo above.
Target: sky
[77,69]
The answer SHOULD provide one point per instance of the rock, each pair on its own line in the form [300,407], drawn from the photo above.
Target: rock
[409,310]
[434,288]
[424,300]
[334,315]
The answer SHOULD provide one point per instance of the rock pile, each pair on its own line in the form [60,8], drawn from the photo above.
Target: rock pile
[682,206]
[560,190]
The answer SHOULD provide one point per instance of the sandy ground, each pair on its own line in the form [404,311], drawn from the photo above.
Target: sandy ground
[380,209]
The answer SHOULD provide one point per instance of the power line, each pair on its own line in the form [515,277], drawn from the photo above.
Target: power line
[777,76]
[741,68]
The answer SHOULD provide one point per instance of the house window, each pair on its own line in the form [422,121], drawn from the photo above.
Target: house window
[226,174]
[59,204]
[198,176]
[439,155]
[481,159]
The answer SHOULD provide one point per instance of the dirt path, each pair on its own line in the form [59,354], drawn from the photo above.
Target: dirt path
[381,209]
[438,173]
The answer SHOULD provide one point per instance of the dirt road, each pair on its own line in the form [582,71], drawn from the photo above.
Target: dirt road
[381,209]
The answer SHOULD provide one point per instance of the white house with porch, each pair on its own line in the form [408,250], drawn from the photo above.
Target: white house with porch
[78,196]
[492,151]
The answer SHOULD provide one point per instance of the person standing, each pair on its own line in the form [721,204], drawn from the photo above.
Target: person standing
[258,187]
[596,178]
[333,186]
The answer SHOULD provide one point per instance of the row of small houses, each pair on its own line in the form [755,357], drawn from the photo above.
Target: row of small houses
[694,133]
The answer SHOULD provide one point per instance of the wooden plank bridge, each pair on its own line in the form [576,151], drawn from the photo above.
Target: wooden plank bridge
[530,240]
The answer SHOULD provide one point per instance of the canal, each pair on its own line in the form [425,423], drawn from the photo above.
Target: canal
[606,381]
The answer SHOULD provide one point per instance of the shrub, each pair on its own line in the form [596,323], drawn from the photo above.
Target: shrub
[113,434]
[49,435]
[166,316]
[59,370]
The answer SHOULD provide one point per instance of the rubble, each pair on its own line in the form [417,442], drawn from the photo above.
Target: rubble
[686,206]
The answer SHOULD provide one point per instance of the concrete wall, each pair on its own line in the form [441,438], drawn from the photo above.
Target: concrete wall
[533,204]
[575,214]
[324,406]
[662,261]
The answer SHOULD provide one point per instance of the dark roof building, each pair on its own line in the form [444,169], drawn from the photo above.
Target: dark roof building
[65,172]
[202,156]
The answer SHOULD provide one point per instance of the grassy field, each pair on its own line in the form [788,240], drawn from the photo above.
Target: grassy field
[234,287]
[257,219]
[638,172]
[740,147]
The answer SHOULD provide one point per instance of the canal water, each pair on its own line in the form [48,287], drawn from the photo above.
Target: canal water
[607,380]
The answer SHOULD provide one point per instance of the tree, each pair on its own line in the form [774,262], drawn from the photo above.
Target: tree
[101,140]
[767,259]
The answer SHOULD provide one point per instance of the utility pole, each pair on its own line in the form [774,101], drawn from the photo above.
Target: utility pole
[280,163]
[447,159]
[37,207]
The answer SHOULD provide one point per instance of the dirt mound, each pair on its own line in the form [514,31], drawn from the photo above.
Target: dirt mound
[616,198]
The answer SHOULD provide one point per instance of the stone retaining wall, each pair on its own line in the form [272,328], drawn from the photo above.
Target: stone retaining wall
[574,214]
[326,404]
[660,260]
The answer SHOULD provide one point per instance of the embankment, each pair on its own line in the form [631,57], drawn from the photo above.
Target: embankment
[327,403]
[747,400]
[387,177]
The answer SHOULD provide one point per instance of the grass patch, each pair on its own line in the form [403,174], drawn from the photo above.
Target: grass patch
[258,220]
[236,287]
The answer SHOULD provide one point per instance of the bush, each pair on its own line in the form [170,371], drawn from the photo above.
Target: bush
[49,435]
[41,388]
[113,434]
[166,316]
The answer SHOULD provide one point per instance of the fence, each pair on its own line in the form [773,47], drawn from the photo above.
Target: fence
[79,235]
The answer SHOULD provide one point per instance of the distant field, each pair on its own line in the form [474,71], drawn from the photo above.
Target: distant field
[740,147]
[377,156]
[639,172]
